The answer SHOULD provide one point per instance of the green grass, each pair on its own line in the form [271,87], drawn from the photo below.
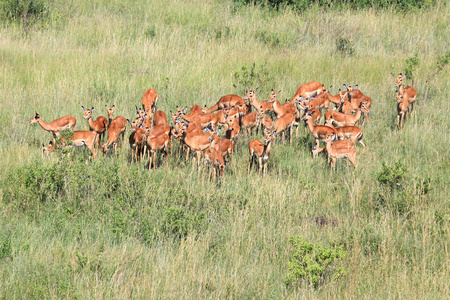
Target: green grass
[126,232]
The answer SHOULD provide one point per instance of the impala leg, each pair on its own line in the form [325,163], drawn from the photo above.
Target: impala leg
[187,153]
[94,153]
[291,131]
[364,146]
[260,165]
[154,160]
[199,154]
[250,163]
[398,122]
[412,108]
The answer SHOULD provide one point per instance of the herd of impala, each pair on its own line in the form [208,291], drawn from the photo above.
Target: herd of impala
[198,131]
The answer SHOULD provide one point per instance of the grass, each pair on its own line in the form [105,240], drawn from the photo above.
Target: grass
[124,232]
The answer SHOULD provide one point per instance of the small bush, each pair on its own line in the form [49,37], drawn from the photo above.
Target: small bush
[392,176]
[25,12]
[314,263]
[251,77]
[5,244]
[178,223]
[345,46]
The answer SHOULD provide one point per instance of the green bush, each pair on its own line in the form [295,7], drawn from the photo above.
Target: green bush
[345,46]
[25,12]
[314,263]
[251,77]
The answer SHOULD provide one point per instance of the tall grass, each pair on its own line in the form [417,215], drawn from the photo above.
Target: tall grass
[72,228]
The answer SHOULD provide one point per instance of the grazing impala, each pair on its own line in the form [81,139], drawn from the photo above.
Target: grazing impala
[307,90]
[286,108]
[213,156]
[353,133]
[198,143]
[402,110]
[341,119]
[408,92]
[334,152]
[149,101]
[98,126]
[249,121]
[228,101]
[48,149]
[55,126]
[319,132]
[136,141]
[260,151]
[232,128]
[159,117]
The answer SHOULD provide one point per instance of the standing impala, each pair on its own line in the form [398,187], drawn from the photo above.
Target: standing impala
[319,132]
[334,152]
[353,133]
[261,151]
[98,126]
[149,101]
[115,129]
[402,110]
[408,92]
[55,126]
[308,89]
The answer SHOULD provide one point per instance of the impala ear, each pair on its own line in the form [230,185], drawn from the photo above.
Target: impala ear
[128,121]
[355,86]
[218,162]
[113,106]
[83,108]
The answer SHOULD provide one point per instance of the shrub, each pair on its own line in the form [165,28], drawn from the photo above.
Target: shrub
[314,263]
[251,76]
[25,12]
[179,223]
[345,46]
[5,244]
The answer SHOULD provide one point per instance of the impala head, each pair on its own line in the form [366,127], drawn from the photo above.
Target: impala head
[250,94]
[35,118]
[221,166]
[87,112]
[110,111]
[324,90]
[49,148]
[105,148]
[343,96]
[399,97]
[400,80]
[269,136]
[204,109]
[350,89]
[133,125]
[273,95]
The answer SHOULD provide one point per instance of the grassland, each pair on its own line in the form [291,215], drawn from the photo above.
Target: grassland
[111,229]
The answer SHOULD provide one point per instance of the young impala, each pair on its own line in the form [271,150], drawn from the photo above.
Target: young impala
[149,101]
[408,92]
[402,110]
[334,152]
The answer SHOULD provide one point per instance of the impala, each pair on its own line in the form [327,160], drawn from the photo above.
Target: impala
[261,151]
[402,110]
[98,126]
[338,144]
[159,117]
[308,89]
[341,119]
[227,101]
[408,92]
[149,101]
[136,141]
[285,122]
[197,143]
[319,132]
[264,106]
[353,133]
[334,152]
[115,129]
[48,149]
[213,156]
[55,126]
[321,100]
[232,127]
[249,121]
[286,108]
[205,119]
[155,144]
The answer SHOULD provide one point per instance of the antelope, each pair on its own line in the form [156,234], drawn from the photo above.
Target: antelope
[98,126]
[402,110]
[286,108]
[319,132]
[55,126]
[214,156]
[408,92]
[308,89]
[265,106]
[261,151]
[232,127]
[342,119]
[149,101]
[206,119]
[335,99]
[197,143]
[136,140]
[115,129]
[48,149]
[334,152]
[110,112]
[338,144]
[283,123]
[249,121]
[225,147]
[159,117]
[353,133]
[80,138]
[321,100]
[120,121]
[227,101]
[155,144]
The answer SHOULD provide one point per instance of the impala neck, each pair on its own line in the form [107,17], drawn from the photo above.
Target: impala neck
[309,121]
[44,125]
[268,147]
[400,88]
